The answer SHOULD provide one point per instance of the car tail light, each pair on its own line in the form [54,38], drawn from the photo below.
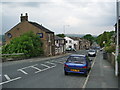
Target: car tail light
[65,65]
[84,67]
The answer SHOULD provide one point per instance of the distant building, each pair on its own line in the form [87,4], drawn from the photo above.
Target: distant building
[24,26]
[85,44]
[59,45]
[77,42]
[70,43]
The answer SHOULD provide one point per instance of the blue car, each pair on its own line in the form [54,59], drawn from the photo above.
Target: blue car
[77,64]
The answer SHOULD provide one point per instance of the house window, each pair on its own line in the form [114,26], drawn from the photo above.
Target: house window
[57,41]
[40,35]
[9,35]
[70,41]
[70,46]
[66,41]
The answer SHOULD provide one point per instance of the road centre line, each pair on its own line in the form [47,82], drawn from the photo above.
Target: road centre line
[10,80]
[22,71]
[84,85]
[7,77]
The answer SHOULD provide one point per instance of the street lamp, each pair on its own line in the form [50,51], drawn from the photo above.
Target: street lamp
[64,27]
[117,41]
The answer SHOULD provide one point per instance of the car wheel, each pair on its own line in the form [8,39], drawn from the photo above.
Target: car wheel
[66,73]
[86,74]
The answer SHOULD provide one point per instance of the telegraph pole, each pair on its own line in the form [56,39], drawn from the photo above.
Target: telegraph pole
[64,28]
[117,38]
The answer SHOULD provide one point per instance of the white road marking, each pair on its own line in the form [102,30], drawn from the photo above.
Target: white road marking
[28,66]
[7,77]
[84,85]
[42,70]
[45,65]
[45,69]
[10,80]
[50,63]
[36,68]
[22,71]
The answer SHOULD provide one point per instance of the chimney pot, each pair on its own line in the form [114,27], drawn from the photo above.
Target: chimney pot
[24,18]
[26,14]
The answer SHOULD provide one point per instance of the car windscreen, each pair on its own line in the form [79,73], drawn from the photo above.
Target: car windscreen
[76,59]
[91,50]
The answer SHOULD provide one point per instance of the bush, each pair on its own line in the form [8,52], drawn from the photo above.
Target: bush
[28,43]
[110,49]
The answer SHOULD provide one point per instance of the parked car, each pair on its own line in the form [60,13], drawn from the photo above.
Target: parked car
[70,49]
[92,53]
[77,64]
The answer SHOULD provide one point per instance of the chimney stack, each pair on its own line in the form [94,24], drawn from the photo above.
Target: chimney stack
[24,18]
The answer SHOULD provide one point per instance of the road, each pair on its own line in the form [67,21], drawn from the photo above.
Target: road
[41,74]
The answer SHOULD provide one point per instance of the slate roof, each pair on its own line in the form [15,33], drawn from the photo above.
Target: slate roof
[58,38]
[41,27]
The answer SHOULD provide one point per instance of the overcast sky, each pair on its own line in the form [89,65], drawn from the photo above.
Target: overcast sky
[82,16]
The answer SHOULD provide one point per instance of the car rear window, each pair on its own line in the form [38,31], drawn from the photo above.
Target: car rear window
[76,59]
[91,51]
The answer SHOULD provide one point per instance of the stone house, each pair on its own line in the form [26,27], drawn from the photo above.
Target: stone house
[84,44]
[24,26]
[59,45]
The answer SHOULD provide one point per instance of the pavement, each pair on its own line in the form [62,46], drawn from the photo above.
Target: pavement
[102,74]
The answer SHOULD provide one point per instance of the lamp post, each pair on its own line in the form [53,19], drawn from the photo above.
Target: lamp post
[64,27]
[117,41]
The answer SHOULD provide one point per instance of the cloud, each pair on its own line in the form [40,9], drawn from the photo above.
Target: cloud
[83,17]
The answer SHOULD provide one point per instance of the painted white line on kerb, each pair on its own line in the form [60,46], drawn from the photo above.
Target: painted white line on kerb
[22,71]
[45,65]
[36,68]
[7,77]
[10,80]
[84,85]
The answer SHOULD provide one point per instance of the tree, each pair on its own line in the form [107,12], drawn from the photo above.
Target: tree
[89,37]
[61,35]
[105,38]
[28,43]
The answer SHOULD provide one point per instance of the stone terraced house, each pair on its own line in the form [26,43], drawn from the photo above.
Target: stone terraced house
[24,26]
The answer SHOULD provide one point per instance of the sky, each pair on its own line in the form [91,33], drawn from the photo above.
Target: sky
[61,16]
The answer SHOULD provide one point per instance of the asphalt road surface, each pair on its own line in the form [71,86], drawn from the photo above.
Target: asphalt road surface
[41,74]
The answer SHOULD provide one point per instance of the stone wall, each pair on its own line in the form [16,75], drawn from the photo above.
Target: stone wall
[111,58]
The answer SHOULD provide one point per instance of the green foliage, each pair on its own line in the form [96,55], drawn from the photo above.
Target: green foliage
[28,43]
[61,35]
[105,39]
[89,37]
[110,49]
